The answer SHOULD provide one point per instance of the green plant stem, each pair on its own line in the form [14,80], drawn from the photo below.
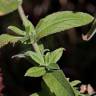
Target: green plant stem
[36,47]
[23,18]
[22,14]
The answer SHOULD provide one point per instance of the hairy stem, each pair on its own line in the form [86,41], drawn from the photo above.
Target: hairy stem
[22,14]
[23,18]
[36,47]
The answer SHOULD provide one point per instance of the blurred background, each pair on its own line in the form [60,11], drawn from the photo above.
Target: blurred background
[78,61]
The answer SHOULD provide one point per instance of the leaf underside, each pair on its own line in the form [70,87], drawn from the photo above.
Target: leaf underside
[6,38]
[61,21]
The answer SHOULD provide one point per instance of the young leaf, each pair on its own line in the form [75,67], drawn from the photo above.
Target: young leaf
[29,27]
[56,86]
[36,57]
[6,38]
[53,66]
[7,6]
[47,58]
[55,55]
[75,82]
[26,40]
[17,30]
[41,47]
[35,94]
[61,21]
[35,72]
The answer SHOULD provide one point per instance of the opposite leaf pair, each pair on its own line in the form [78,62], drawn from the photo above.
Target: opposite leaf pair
[46,62]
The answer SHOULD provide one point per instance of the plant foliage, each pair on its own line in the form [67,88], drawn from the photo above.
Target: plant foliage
[46,61]
[61,21]
[7,6]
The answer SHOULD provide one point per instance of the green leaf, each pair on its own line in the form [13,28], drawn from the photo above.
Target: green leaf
[62,79]
[47,58]
[30,30]
[75,82]
[35,94]
[26,40]
[7,6]
[41,47]
[53,66]
[61,21]
[17,31]
[55,55]
[29,27]
[35,72]
[58,85]
[6,38]
[54,85]
[35,56]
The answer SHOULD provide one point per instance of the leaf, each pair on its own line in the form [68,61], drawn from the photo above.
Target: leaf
[29,27]
[35,94]
[54,85]
[75,82]
[35,72]
[35,56]
[7,6]
[6,38]
[61,21]
[53,66]
[62,79]
[91,32]
[26,40]
[41,47]
[16,30]
[55,55]
[57,84]
[47,57]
